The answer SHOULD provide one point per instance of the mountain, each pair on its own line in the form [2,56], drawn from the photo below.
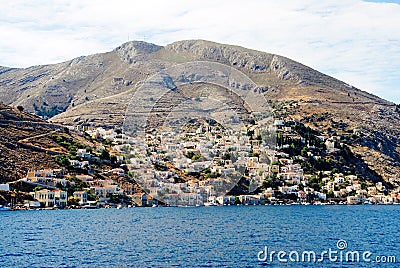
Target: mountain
[96,90]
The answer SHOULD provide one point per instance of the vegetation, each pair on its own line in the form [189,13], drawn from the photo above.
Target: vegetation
[48,113]
[68,142]
[70,188]
[192,155]
[62,160]
[73,201]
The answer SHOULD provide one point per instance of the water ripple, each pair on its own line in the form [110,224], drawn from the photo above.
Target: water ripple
[191,237]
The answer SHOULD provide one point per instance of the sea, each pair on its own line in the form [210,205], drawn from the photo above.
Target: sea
[226,236]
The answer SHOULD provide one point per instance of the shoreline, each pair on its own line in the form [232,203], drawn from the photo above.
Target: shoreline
[187,206]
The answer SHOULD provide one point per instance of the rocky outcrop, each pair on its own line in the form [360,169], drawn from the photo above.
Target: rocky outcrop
[131,52]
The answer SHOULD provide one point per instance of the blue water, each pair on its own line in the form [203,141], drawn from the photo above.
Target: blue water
[194,237]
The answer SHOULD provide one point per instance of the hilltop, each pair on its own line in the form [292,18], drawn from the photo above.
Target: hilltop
[96,89]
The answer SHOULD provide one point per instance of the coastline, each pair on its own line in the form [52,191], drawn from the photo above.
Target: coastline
[187,206]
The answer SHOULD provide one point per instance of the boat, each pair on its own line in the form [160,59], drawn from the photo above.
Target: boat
[4,208]
[211,201]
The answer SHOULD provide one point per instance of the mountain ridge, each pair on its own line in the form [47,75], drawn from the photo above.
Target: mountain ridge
[54,77]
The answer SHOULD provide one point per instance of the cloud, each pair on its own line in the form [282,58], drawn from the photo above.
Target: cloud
[353,40]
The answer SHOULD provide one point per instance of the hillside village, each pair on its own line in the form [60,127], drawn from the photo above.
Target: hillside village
[201,167]
[349,155]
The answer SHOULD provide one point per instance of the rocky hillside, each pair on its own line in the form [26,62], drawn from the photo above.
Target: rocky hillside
[25,143]
[96,90]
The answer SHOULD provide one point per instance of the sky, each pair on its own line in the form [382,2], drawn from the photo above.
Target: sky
[356,41]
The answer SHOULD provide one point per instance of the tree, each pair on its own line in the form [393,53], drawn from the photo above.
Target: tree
[107,142]
[115,198]
[189,154]
[105,155]
[114,159]
[334,171]
[20,108]
[237,201]
[37,188]
[63,160]
[59,185]
[72,201]
[226,156]
[196,157]
[72,150]
[267,183]
[363,185]
[92,197]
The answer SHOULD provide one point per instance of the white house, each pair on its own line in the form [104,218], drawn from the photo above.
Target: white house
[4,187]
[60,198]
[330,145]
[82,196]
[45,197]
[83,153]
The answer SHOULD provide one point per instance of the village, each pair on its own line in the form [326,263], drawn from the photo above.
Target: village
[214,159]
[201,168]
